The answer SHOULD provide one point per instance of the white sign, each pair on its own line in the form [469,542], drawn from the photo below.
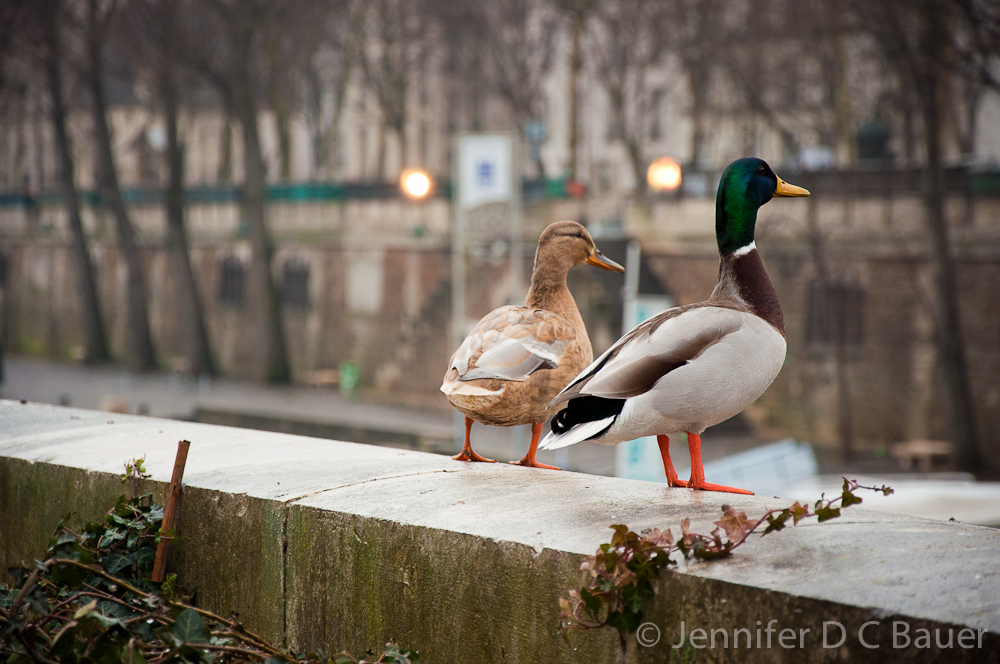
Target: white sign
[485,167]
[640,459]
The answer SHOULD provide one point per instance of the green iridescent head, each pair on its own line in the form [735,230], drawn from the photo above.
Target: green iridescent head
[746,184]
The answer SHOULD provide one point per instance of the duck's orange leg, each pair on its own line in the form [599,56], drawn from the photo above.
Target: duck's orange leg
[697,480]
[529,458]
[668,466]
[467,454]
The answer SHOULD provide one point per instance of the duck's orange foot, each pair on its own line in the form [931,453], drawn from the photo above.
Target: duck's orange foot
[469,455]
[529,459]
[708,486]
[676,482]
[531,463]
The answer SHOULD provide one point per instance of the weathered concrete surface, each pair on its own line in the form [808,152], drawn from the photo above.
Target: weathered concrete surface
[342,545]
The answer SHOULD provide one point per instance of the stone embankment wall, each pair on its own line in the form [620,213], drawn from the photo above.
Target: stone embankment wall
[338,545]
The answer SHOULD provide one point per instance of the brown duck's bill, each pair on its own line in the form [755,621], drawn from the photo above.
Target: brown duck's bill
[789,190]
[597,259]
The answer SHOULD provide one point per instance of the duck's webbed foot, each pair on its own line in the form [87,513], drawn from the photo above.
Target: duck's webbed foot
[467,454]
[697,480]
[529,458]
[708,486]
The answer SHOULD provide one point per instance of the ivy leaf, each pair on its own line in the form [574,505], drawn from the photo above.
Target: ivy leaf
[116,561]
[110,536]
[70,575]
[625,622]
[154,515]
[63,538]
[847,499]
[776,523]
[145,557]
[827,513]
[85,610]
[394,655]
[660,539]
[38,602]
[114,610]
[735,525]
[121,520]
[591,601]
[189,627]
[798,512]
[94,532]
[21,575]
[107,622]
[635,596]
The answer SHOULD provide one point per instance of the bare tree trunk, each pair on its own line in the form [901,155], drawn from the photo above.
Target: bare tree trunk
[842,100]
[282,121]
[404,149]
[95,341]
[314,116]
[274,361]
[698,83]
[635,156]
[139,345]
[575,64]
[951,344]
[192,321]
[225,172]
[380,163]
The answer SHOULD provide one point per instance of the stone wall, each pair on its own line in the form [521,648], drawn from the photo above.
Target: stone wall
[318,543]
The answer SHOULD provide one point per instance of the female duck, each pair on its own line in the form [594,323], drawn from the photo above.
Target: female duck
[697,365]
[517,358]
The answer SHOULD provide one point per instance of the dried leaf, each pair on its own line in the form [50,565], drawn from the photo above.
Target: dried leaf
[798,512]
[736,525]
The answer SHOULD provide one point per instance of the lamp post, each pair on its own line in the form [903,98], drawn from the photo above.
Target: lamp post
[417,185]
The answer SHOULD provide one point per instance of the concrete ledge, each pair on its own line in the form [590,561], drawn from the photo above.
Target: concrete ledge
[341,545]
[423,438]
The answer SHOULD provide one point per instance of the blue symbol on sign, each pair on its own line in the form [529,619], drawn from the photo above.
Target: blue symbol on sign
[484,174]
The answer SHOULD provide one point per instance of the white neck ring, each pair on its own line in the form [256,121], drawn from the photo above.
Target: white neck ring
[743,251]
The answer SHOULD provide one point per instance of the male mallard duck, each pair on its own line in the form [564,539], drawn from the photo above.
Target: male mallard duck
[517,358]
[690,367]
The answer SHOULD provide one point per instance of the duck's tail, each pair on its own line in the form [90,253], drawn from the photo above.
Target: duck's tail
[583,418]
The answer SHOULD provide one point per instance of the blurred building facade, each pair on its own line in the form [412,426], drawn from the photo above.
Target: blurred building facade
[364,273]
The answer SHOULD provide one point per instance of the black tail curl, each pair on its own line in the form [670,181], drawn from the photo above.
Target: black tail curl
[586,409]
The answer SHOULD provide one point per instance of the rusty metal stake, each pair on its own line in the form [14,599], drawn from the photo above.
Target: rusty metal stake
[173,495]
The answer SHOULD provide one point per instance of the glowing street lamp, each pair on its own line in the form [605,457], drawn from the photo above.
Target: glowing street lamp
[664,175]
[416,183]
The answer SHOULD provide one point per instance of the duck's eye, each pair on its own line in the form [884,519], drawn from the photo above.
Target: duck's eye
[761,170]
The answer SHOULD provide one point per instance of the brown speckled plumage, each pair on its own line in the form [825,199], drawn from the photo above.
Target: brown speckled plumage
[532,351]
[522,401]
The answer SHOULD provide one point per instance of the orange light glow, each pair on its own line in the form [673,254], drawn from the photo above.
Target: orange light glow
[664,174]
[415,183]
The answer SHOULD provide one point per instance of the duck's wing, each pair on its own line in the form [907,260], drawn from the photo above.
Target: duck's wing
[651,350]
[511,343]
